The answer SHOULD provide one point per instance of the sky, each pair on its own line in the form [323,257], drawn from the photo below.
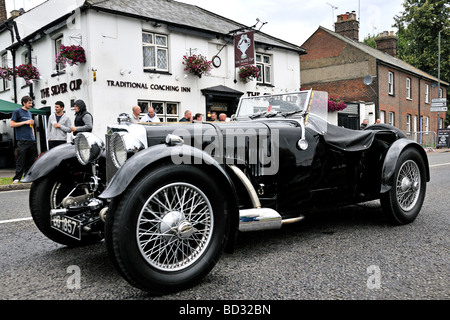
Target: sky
[290,20]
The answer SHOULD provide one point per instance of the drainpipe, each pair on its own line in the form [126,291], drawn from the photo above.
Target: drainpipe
[377,108]
[420,118]
[13,53]
[29,52]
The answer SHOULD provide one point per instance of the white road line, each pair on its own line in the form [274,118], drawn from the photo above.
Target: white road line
[440,165]
[14,220]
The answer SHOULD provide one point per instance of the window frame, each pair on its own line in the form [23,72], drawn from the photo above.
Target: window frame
[265,68]
[391,89]
[391,118]
[427,93]
[59,67]
[157,48]
[408,122]
[408,89]
[6,84]
[165,116]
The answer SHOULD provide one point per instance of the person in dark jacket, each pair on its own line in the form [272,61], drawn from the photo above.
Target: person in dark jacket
[83,119]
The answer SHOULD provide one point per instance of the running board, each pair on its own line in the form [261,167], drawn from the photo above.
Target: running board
[262,219]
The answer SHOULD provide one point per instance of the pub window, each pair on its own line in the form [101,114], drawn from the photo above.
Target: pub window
[58,43]
[427,124]
[155,51]
[166,111]
[391,83]
[264,64]
[427,93]
[5,83]
[408,88]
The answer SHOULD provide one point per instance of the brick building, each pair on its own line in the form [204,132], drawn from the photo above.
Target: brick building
[374,82]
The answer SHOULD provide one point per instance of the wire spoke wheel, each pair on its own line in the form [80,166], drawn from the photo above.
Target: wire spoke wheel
[403,202]
[174,226]
[408,185]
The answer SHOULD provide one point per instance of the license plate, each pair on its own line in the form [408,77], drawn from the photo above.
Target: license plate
[67,225]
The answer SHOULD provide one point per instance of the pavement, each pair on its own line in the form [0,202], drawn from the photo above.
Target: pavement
[9,173]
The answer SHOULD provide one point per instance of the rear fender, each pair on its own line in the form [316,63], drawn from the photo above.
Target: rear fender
[390,162]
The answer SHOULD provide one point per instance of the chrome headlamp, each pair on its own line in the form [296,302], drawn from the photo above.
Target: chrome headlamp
[122,145]
[88,147]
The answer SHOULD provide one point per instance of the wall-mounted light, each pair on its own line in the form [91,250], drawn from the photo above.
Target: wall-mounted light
[122,71]
[156,24]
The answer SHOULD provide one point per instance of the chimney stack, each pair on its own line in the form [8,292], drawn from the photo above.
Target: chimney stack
[387,42]
[3,15]
[347,25]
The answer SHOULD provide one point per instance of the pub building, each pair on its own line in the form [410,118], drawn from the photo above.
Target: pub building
[134,56]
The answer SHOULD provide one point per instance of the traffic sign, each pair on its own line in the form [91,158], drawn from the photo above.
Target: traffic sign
[439,100]
[438,109]
[438,104]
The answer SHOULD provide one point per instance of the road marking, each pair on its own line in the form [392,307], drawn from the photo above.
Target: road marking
[15,220]
[440,165]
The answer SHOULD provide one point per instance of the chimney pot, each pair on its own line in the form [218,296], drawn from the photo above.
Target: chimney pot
[348,26]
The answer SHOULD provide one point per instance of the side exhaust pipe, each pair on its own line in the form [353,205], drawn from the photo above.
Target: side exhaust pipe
[262,219]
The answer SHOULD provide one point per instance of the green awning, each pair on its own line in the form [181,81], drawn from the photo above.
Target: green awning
[9,107]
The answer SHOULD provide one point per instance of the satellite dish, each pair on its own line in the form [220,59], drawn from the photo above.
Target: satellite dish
[368,80]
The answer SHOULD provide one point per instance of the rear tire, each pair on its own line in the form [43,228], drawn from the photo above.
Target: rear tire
[403,202]
[169,229]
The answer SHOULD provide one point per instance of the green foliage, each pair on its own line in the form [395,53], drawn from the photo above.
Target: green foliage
[418,29]
[370,41]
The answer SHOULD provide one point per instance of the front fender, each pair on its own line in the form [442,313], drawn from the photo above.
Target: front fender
[390,162]
[181,154]
[144,159]
[49,161]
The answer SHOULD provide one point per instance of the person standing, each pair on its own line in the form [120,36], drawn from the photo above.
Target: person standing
[198,117]
[363,124]
[23,123]
[150,116]
[187,116]
[59,125]
[135,116]
[83,119]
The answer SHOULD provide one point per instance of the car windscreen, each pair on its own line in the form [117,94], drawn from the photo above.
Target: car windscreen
[283,104]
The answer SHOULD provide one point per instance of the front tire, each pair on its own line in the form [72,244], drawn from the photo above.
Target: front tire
[169,229]
[46,194]
[403,202]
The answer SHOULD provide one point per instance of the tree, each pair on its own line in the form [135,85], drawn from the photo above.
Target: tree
[370,41]
[418,28]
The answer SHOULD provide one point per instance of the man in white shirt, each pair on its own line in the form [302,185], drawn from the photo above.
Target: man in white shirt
[150,116]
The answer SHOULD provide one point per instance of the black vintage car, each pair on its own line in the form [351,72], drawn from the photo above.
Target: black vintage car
[169,198]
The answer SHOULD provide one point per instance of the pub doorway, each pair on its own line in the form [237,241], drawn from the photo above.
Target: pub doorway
[221,99]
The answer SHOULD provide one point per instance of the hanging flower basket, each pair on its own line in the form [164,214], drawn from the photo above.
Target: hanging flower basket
[71,55]
[28,72]
[335,104]
[197,64]
[6,73]
[248,73]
